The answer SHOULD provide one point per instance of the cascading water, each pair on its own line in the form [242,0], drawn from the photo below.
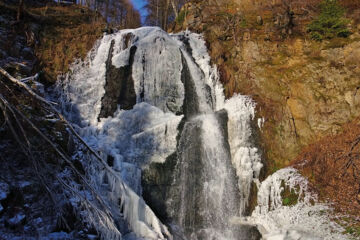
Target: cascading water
[208,194]
[207,181]
[146,99]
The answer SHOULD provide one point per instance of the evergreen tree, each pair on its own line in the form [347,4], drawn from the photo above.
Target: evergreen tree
[330,23]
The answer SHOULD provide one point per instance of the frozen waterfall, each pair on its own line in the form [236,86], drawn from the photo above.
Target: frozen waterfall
[182,158]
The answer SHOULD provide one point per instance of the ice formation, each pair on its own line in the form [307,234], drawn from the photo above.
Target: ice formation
[307,219]
[173,81]
[131,138]
[244,155]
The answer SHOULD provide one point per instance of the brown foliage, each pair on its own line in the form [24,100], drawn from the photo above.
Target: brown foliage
[333,167]
[350,4]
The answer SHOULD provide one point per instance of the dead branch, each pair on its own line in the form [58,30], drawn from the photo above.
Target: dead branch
[5,106]
[32,78]
[25,149]
[61,117]
[50,104]
[20,10]
[351,156]
[26,87]
[62,155]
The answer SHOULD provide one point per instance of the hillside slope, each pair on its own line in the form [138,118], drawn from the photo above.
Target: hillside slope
[36,182]
[48,38]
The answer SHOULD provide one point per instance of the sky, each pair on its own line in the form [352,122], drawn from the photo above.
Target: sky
[139,4]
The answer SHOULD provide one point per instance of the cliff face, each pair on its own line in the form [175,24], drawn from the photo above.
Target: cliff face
[306,90]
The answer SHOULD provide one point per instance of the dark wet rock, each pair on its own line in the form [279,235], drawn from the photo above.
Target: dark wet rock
[4,21]
[15,50]
[128,38]
[4,192]
[189,150]
[222,118]
[119,86]
[190,107]
[59,236]
[250,232]
[156,183]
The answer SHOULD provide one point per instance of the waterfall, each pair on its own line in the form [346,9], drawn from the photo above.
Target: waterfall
[206,211]
[129,97]
[181,156]
[206,178]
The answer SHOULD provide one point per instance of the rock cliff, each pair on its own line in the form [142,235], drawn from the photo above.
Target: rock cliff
[306,91]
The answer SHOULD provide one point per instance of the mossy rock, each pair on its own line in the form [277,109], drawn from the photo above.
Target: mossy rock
[290,197]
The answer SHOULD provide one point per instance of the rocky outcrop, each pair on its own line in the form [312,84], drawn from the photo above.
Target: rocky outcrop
[119,86]
[304,89]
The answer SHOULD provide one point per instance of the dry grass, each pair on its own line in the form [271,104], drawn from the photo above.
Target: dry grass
[67,33]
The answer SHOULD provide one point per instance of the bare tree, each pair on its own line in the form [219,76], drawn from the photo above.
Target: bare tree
[175,9]
[162,12]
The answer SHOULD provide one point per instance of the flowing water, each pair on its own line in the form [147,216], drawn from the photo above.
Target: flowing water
[206,179]
[143,96]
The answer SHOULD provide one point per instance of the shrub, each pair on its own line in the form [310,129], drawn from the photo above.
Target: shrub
[330,23]
[181,17]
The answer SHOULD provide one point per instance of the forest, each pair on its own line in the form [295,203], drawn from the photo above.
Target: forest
[121,13]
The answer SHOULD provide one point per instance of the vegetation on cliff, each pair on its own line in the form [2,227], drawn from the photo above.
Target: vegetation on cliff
[332,166]
[330,23]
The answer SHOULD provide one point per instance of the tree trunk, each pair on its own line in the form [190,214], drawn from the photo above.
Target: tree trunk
[20,10]
[166,14]
[107,14]
[157,13]
[174,8]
